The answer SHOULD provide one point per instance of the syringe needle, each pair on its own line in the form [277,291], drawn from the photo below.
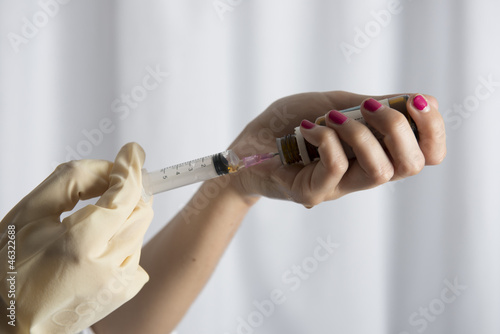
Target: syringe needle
[257,159]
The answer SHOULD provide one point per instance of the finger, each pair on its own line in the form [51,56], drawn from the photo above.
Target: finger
[431,130]
[92,228]
[397,135]
[61,190]
[319,180]
[89,233]
[372,166]
[130,235]
[125,184]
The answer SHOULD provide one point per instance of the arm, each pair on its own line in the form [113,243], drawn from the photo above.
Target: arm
[180,260]
[183,255]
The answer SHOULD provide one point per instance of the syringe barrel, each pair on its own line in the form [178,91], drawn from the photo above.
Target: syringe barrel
[186,173]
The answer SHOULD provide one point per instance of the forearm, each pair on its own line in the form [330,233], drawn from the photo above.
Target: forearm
[180,260]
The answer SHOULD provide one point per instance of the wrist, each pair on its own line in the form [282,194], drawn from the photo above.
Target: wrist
[228,188]
[247,199]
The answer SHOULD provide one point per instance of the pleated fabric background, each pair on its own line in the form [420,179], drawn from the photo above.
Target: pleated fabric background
[414,256]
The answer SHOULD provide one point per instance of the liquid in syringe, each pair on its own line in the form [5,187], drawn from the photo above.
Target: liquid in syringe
[198,170]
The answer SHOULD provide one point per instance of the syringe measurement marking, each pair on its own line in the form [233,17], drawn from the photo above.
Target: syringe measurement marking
[191,164]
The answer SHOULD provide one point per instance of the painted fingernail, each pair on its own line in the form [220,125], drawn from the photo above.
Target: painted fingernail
[421,103]
[337,117]
[372,105]
[307,124]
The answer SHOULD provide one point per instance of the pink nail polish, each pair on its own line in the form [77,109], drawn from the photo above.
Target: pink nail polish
[307,124]
[337,117]
[420,103]
[372,105]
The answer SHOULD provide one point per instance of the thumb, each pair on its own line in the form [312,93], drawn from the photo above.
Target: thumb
[125,182]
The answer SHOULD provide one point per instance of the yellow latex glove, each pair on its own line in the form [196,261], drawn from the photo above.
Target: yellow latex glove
[71,274]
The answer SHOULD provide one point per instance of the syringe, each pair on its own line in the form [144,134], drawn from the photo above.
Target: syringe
[198,170]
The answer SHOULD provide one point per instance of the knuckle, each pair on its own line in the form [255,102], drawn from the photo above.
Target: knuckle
[340,166]
[382,174]
[81,244]
[413,166]
[434,144]
[337,164]
[363,136]
[437,128]
[399,123]
[73,168]
[75,247]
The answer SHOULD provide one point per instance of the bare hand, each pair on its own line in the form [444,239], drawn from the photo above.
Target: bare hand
[334,175]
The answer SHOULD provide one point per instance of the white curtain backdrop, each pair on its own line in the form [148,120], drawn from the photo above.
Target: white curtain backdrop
[415,256]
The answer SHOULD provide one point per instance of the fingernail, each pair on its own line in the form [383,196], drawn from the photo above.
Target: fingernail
[372,105]
[337,117]
[307,124]
[421,103]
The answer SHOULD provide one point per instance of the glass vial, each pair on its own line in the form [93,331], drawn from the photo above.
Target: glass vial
[293,148]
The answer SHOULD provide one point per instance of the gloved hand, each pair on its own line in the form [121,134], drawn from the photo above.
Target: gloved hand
[71,274]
